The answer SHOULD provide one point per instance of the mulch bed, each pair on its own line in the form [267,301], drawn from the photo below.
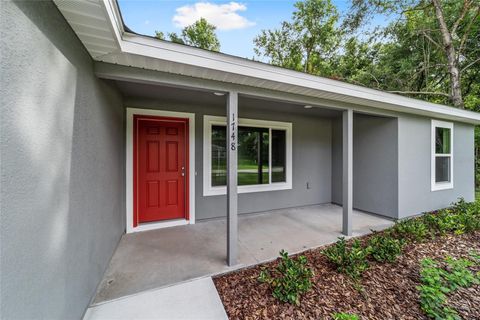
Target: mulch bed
[389,290]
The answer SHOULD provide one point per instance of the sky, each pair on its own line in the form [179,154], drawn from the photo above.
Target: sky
[237,22]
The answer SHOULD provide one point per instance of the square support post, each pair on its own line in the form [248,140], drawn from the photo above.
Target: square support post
[232,196]
[347,181]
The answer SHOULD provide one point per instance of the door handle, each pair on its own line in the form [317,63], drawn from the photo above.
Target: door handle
[183,171]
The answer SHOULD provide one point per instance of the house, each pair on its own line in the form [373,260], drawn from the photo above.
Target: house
[104,131]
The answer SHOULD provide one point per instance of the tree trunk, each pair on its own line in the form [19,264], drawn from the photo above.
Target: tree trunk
[455,88]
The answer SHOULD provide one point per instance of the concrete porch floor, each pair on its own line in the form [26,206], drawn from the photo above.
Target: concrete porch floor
[158,258]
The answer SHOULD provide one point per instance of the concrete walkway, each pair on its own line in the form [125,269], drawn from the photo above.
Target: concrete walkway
[197,299]
[153,259]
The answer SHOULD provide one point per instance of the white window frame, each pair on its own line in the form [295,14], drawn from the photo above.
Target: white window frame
[209,121]
[441,185]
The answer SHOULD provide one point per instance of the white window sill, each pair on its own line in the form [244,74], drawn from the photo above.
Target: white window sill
[442,186]
[217,191]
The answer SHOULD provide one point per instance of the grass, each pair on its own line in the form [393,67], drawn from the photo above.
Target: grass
[245,178]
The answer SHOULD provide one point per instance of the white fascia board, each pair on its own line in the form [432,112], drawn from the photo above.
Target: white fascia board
[163,50]
[204,59]
[114,20]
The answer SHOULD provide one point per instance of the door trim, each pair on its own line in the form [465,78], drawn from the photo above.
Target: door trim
[190,183]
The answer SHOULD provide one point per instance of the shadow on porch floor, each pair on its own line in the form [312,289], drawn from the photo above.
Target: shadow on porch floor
[157,258]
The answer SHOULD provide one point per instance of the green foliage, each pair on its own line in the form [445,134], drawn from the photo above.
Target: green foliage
[444,221]
[159,35]
[413,229]
[440,280]
[306,43]
[344,316]
[458,274]
[475,257]
[290,279]
[433,291]
[200,34]
[385,248]
[407,56]
[460,218]
[351,260]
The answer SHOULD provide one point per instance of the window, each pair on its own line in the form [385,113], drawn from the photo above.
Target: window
[442,155]
[264,155]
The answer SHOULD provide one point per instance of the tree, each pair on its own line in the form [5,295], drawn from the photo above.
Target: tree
[200,34]
[431,49]
[450,26]
[307,43]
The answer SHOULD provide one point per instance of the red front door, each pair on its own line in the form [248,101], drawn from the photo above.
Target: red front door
[160,164]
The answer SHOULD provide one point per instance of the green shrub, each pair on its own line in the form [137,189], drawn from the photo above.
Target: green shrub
[385,248]
[413,229]
[460,218]
[469,214]
[349,260]
[458,273]
[433,292]
[444,221]
[462,206]
[344,316]
[290,279]
[438,281]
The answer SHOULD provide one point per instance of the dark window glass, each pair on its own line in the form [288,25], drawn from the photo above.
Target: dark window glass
[252,156]
[219,156]
[253,163]
[442,169]
[279,155]
[442,140]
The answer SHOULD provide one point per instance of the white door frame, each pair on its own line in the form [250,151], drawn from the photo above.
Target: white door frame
[129,169]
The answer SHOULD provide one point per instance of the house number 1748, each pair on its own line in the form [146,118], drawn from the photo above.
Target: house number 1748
[233,142]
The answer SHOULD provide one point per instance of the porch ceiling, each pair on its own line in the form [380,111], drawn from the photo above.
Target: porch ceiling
[186,96]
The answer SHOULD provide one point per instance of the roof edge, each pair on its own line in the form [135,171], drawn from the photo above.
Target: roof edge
[205,60]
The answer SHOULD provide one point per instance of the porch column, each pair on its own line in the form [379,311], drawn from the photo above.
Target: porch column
[232,135]
[347,181]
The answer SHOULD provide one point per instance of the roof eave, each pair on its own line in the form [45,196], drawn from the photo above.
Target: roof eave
[239,70]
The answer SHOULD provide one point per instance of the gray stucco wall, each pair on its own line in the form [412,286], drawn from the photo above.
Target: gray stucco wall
[415,195]
[311,160]
[375,164]
[62,167]
[337,160]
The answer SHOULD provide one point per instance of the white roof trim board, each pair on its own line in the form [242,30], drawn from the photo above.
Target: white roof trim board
[99,26]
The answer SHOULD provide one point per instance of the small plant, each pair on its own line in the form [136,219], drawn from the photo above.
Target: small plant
[443,222]
[475,257]
[438,281]
[385,248]
[458,273]
[469,214]
[344,316]
[349,260]
[433,292]
[460,218]
[413,229]
[290,279]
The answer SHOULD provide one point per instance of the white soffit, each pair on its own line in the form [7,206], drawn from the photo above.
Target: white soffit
[98,25]
[89,20]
